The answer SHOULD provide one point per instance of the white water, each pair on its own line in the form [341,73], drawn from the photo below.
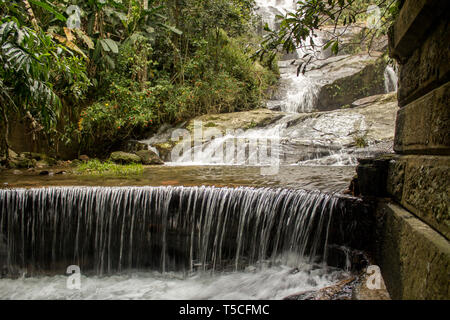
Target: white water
[267,9]
[302,91]
[390,80]
[250,147]
[275,282]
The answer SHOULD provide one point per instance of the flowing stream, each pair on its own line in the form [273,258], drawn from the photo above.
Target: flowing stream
[211,233]
[300,137]
[205,242]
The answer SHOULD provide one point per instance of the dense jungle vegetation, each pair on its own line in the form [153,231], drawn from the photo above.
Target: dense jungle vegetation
[98,72]
[91,74]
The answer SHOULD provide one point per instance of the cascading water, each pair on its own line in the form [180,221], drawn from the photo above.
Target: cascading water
[166,228]
[301,136]
[300,93]
[247,240]
[196,242]
[390,80]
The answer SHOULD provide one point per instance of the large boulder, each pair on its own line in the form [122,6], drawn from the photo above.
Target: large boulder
[328,84]
[343,91]
[133,146]
[38,157]
[149,157]
[220,123]
[21,163]
[124,158]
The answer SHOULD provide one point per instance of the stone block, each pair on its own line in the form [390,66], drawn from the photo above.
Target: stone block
[426,191]
[414,259]
[427,67]
[411,26]
[395,178]
[423,125]
[372,176]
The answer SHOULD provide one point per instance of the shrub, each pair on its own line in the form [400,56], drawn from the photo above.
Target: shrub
[96,167]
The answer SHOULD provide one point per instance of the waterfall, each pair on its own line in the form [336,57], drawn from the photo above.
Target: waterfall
[301,92]
[390,80]
[105,230]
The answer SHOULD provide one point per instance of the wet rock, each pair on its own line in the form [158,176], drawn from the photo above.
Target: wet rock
[133,146]
[353,188]
[21,163]
[164,149]
[372,176]
[344,90]
[17,172]
[149,157]
[42,164]
[323,138]
[373,99]
[362,292]
[340,291]
[124,157]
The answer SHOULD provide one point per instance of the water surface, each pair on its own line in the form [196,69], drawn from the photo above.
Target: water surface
[323,178]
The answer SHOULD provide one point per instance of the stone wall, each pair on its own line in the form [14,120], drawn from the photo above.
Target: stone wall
[414,259]
[413,230]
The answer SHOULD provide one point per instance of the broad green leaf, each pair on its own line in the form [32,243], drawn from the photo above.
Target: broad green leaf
[112,45]
[49,8]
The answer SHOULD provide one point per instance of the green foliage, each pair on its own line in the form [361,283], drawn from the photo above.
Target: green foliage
[360,140]
[310,15]
[107,168]
[147,88]
[129,67]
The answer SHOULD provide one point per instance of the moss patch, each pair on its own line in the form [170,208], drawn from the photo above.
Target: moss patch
[108,168]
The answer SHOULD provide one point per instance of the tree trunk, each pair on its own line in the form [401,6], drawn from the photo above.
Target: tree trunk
[31,15]
[145,69]
[5,142]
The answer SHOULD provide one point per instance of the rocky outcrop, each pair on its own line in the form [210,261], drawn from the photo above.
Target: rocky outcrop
[124,158]
[330,83]
[258,118]
[339,136]
[343,91]
[149,157]
[26,160]
[146,157]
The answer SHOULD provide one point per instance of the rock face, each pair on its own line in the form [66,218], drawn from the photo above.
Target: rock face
[343,91]
[124,158]
[341,136]
[318,138]
[328,84]
[245,120]
[148,157]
